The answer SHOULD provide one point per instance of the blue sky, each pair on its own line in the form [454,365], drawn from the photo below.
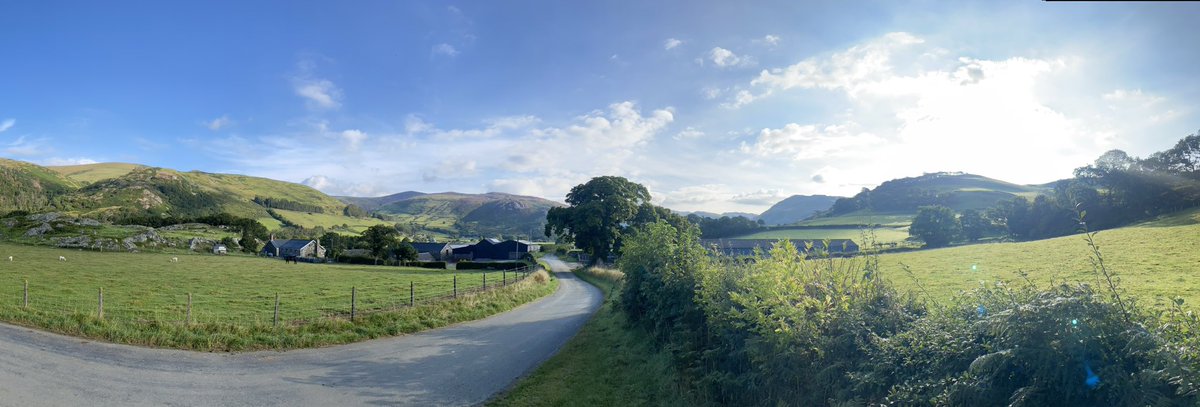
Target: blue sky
[715,106]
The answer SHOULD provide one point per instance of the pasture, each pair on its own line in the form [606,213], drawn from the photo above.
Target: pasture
[329,221]
[862,218]
[882,234]
[1155,263]
[146,293]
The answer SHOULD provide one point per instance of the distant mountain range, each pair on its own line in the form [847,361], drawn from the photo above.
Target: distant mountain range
[110,191]
[796,208]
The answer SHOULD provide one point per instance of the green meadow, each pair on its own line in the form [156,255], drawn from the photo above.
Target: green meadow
[1156,261]
[233,298]
[882,234]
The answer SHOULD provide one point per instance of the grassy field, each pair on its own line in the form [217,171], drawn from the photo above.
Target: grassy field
[882,234]
[1156,261]
[606,364]
[89,173]
[146,296]
[329,221]
[861,218]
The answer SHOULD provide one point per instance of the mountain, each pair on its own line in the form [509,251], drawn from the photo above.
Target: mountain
[373,204]
[30,187]
[491,213]
[796,208]
[959,191]
[89,173]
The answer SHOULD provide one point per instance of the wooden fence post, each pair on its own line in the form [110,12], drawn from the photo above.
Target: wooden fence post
[504,278]
[275,320]
[189,310]
[455,285]
[26,294]
[353,301]
[100,307]
[412,298]
[485,281]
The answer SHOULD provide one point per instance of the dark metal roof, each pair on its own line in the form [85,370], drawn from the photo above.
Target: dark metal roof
[429,247]
[290,244]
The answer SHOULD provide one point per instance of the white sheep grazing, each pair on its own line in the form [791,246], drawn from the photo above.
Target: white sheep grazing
[174,259]
[61,258]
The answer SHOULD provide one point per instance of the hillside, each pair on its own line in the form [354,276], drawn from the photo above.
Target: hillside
[89,173]
[373,204]
[30,187]
[468,214]
[903,196]
[714,215]
[1154,260]
[796,208]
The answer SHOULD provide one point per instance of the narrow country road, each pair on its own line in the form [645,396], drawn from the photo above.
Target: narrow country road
[462,364]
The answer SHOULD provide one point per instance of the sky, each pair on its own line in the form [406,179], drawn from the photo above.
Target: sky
[713,105]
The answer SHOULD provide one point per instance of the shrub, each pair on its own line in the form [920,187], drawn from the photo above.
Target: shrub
[427,264]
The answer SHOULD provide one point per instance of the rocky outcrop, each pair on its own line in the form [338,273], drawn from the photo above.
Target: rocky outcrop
[85,242]
[149,238]
[40,230]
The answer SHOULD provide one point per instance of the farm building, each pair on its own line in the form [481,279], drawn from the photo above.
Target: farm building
[746,247]
[433,251]
[293,248]
[220,249]
[492,249]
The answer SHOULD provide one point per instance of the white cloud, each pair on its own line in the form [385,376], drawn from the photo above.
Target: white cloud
[769,39]
[848,70]
[218,123]
[7,124]
[445,49]
[809,141]
[761,197]
[724,58]
[57,161]
[711,93]
[23,146]
[688,134]
[318,93]
[671,43]
[741,98]
[353,138]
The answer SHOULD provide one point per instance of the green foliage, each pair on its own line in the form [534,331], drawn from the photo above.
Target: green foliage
[405,252]
[936,226]
[354,211]
[378,239]
[725,226]
[974,225]
[782,329]
[278,203]
[599,213]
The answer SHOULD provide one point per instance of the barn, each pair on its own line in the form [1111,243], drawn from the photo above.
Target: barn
[433,251]
[289,248]
[492,249]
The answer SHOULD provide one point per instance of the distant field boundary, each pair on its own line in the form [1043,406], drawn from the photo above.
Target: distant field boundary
[190,309]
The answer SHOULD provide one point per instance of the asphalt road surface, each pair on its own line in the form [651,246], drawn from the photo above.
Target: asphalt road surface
[462,364]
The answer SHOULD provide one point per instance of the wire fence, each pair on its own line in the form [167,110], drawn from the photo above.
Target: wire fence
[269,309]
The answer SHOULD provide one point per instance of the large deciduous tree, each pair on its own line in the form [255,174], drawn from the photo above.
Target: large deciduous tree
[599,211]
[379,238]
[936,225]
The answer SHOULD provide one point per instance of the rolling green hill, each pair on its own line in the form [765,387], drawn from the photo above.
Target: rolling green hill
[895,202]
[1155,261]
[487,214]
[796,208]
[29,187]
[89,173]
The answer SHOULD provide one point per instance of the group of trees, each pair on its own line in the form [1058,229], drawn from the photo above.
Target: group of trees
[279,203]
[602,211]
[939,226]
[382,242]
[725,226]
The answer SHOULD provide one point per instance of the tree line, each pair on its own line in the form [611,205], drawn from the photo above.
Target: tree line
[1115,190]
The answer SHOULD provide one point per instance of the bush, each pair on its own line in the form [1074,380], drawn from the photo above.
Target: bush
[427,264]
[784,329]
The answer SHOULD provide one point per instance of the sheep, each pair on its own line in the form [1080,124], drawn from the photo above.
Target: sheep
[62,258]
[9,258]
[174,259]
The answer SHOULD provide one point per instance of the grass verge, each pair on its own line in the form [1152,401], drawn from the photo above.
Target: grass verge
[606,364]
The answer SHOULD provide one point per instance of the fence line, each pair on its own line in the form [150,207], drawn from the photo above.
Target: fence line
[259,309]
